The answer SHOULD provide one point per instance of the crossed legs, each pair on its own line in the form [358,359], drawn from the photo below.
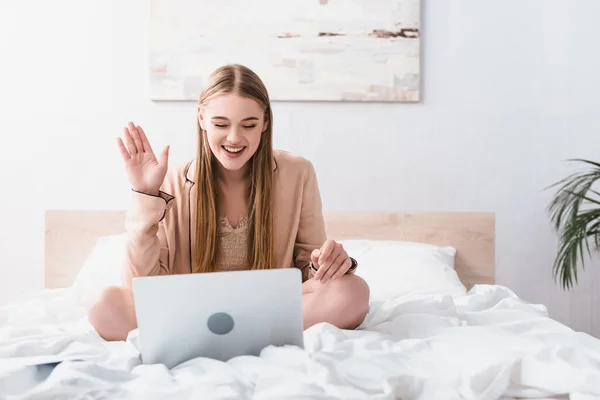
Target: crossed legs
[343,302]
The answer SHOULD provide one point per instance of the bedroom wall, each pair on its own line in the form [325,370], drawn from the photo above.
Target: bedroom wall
[509,92]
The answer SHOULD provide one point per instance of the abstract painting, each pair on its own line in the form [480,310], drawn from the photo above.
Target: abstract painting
[304,50]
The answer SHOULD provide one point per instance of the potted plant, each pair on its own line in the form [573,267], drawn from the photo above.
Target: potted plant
[575,214]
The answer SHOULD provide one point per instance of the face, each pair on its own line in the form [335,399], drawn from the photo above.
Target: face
[233,126]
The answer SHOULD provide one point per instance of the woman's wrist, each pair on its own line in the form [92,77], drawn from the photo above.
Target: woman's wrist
[151,192]
[353,266]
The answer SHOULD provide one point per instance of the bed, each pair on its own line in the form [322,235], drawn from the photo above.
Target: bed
[439,327]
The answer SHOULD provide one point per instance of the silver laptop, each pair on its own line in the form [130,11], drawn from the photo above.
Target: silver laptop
[218,315]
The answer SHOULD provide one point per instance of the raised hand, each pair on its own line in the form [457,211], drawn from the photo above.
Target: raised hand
[146,174]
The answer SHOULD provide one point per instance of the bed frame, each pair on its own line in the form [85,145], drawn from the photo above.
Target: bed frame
[71,235]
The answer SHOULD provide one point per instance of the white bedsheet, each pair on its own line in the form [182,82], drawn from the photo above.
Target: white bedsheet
[485,345]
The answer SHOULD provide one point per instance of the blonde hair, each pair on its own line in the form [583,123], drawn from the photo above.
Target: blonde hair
[240,80]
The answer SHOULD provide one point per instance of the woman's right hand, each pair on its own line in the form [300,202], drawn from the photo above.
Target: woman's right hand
[146,173]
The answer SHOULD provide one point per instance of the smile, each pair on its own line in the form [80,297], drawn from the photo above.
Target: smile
[233,150]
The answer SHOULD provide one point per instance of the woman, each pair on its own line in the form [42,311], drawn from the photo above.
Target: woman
[238,205]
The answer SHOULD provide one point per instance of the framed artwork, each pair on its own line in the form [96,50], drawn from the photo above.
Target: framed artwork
[303,50]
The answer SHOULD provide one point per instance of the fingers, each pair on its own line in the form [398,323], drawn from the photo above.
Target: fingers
[123,150]
[314,257]
[144,139]
[131,147]
[343,269]
[329,252]
[334,267]
[136,137]
[136,141]
[326,250]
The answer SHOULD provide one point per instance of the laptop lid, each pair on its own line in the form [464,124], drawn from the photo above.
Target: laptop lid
[218,315]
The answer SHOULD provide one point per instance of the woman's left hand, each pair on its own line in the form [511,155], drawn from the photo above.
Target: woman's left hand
[331,261]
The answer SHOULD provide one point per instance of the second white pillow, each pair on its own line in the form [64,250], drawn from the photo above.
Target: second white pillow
[397,268]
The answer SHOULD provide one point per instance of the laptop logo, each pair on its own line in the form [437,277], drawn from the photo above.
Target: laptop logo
[220,323]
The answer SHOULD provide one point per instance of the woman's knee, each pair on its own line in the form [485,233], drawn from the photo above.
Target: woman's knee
[111,298]
[347,300]
[113,315]
[357,293]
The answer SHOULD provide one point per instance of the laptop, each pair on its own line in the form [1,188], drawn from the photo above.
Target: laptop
[219,315]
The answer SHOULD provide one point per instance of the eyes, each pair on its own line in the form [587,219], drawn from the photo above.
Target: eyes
[222,126]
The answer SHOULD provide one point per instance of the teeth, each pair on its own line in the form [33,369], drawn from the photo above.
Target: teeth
[233,149]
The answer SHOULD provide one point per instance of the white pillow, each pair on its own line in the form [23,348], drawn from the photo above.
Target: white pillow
[397,268]
[102,268]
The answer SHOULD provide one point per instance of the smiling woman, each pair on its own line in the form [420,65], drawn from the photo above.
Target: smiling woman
[239,205]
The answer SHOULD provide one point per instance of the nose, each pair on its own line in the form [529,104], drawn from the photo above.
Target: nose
[234,135]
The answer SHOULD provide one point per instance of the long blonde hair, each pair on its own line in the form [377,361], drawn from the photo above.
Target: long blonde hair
[244,82]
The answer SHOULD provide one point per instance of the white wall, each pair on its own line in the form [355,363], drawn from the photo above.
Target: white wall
[510,90]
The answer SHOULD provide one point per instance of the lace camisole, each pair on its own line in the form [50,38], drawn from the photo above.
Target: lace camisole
[234,245]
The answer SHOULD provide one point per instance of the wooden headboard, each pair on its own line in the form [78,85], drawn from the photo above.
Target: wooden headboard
[71,235]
